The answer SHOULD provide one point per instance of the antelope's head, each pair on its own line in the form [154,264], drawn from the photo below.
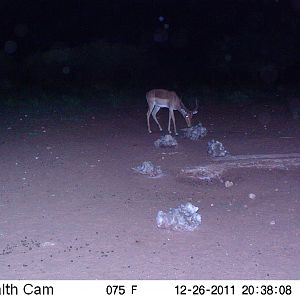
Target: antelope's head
[188,114]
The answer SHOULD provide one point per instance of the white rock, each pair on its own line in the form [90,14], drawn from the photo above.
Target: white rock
[252,196]
[228,183]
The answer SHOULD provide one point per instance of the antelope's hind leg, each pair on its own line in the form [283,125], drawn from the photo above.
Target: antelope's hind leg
[150,109]
[154,112]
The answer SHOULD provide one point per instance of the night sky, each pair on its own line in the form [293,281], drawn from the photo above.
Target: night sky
[135,21]
[192,39]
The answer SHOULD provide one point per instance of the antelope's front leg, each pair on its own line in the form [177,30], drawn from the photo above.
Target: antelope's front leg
[148,121]
[171,115]
[174,124]
[169,125]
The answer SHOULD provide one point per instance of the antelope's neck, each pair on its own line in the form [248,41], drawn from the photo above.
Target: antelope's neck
[183,111]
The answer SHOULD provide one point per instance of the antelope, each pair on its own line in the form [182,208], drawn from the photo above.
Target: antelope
[159,98]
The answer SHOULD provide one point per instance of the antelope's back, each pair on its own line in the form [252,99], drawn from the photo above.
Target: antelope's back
[161,94]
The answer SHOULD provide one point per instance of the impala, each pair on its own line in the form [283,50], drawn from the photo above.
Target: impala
[159,98]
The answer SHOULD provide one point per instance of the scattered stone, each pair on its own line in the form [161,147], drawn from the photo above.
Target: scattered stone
[272,222]
[216,149]
[147,168]
[48,244]
[195,132]
[24,244]
[165,142]
[252,196]
[228,183]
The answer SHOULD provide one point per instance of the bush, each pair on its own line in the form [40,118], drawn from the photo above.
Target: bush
[93,62]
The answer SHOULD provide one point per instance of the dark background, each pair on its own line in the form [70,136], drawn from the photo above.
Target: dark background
[122,47]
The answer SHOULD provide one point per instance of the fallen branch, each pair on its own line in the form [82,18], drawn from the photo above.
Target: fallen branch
[260,161]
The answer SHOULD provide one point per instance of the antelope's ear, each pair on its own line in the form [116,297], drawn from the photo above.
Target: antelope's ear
[195,112]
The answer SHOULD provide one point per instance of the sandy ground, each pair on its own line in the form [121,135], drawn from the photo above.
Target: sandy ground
[72,208]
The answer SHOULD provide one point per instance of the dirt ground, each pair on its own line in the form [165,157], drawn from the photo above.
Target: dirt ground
[71,207]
